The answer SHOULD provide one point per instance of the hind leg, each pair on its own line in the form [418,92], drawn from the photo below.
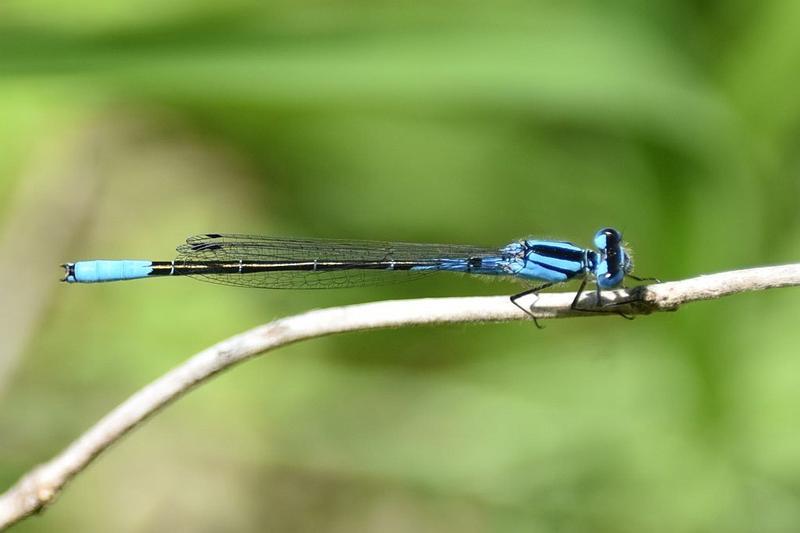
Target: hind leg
[535,291]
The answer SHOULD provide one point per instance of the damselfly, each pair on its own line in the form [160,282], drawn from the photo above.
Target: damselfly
[278,263]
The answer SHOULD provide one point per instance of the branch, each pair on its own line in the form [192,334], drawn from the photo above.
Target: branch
[38,488]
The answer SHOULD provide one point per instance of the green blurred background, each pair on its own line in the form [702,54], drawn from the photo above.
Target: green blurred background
[125,127]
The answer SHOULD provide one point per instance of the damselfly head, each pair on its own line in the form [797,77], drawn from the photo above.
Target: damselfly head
[614,261]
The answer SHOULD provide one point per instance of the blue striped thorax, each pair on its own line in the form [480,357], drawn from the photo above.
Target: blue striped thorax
[557,261]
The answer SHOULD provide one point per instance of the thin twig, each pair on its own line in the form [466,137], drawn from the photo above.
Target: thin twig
[38,488]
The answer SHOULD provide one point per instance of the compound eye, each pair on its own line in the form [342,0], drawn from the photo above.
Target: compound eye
[607,238]
[610,281]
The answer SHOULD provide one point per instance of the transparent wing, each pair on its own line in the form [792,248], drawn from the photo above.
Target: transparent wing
[233,247]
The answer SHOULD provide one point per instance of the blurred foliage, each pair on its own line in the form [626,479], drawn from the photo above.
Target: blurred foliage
[465,122]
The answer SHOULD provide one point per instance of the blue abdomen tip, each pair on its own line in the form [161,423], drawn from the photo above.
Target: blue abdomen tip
[99,271]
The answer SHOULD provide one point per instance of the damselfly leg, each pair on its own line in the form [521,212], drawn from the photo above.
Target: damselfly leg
[599,306]
[535,292]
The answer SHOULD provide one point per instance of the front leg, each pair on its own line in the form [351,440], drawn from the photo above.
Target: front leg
[599,307]
[628,300]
